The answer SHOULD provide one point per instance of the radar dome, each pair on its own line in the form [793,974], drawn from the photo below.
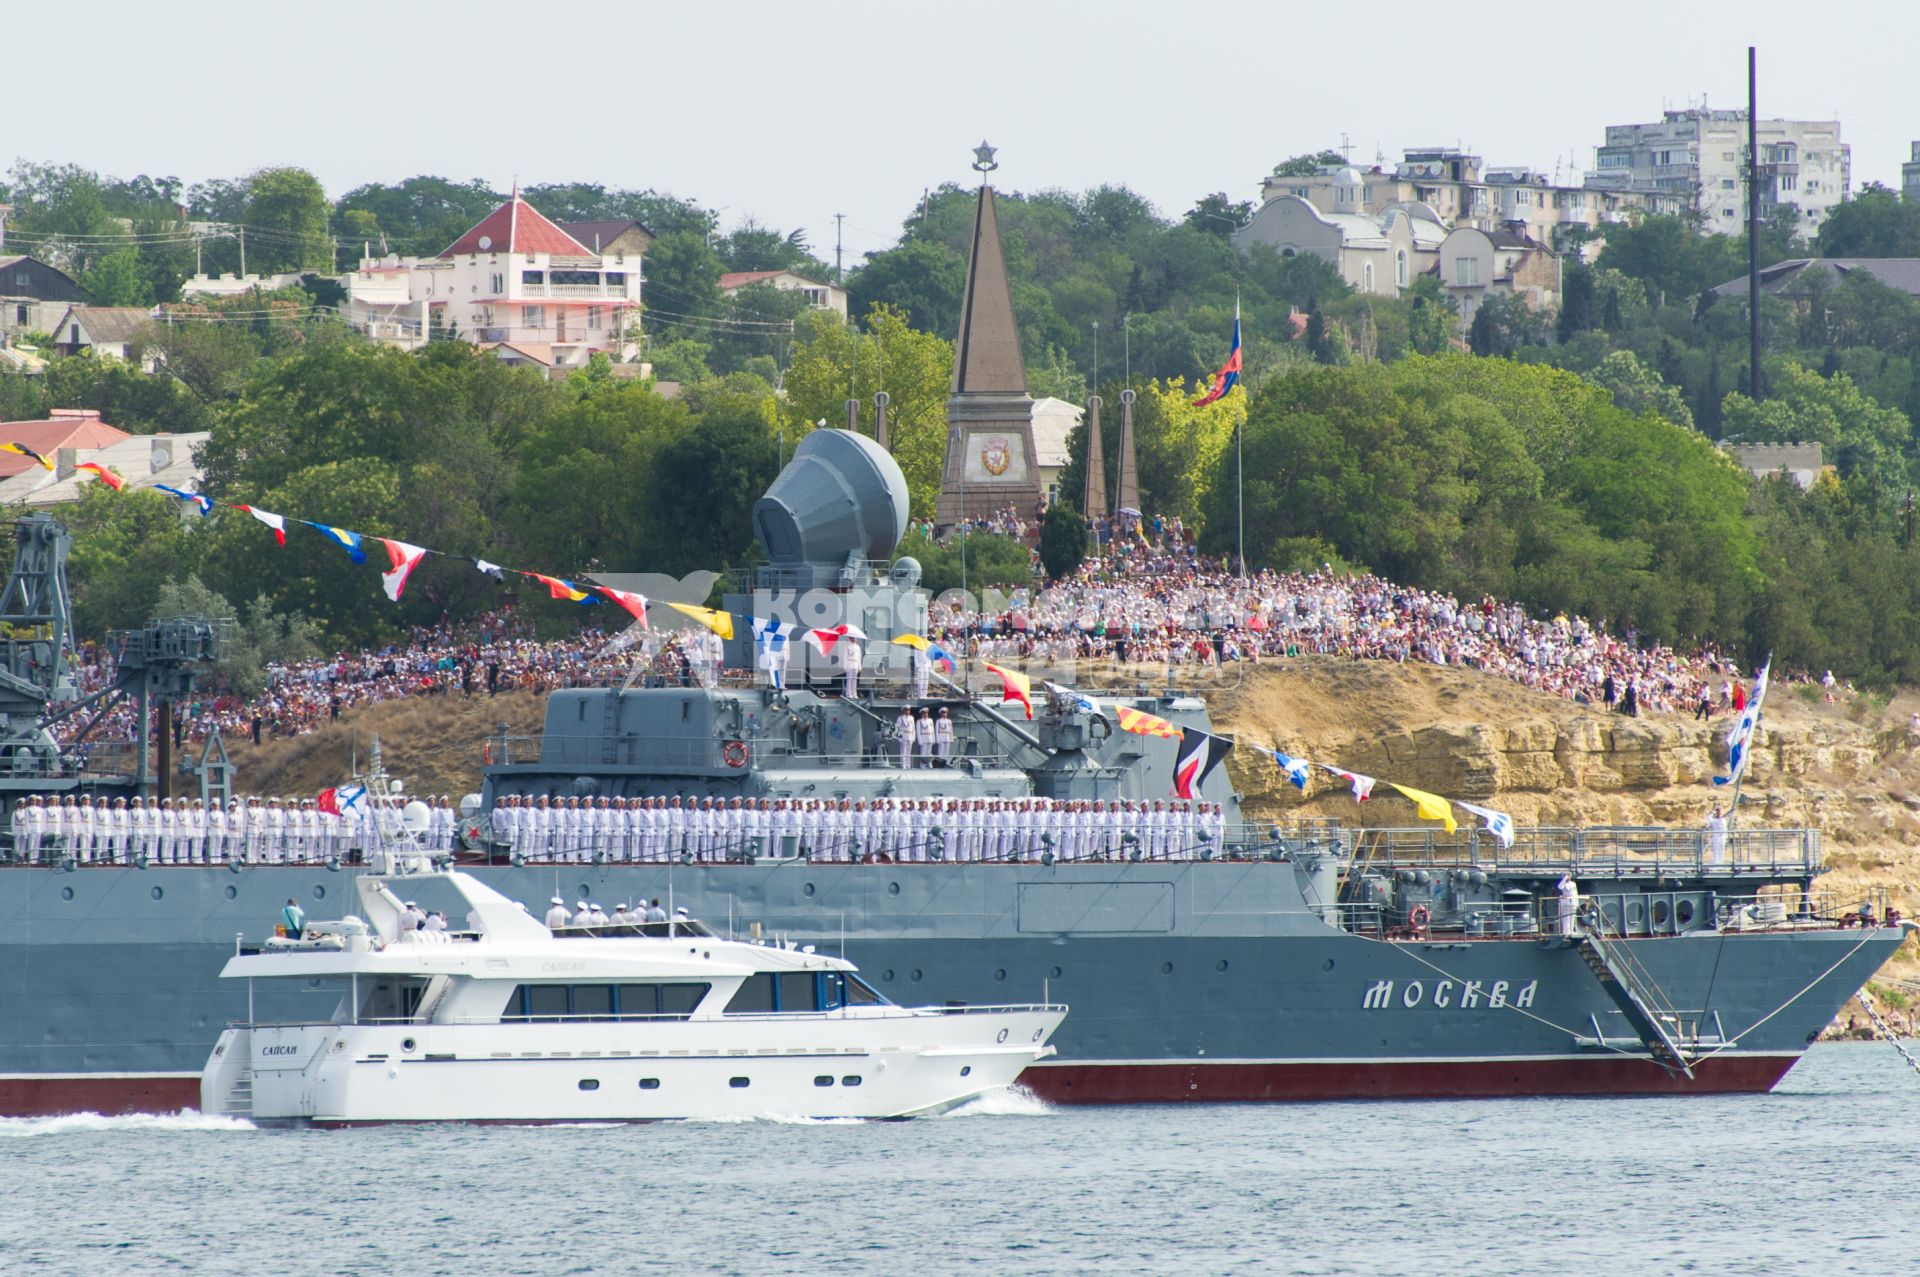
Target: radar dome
[841,494]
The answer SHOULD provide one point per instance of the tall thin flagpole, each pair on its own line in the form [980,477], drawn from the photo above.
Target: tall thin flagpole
[1239,463]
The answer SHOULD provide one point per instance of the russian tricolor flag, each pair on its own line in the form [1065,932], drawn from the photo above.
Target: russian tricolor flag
[1229,374]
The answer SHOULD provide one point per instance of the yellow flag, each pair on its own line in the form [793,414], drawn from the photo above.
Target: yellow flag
[912,640]
[720,623]
[1431,806]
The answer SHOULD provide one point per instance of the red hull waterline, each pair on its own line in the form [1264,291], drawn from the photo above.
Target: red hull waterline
[1254,1080]
[1141,1083]
[47,1095]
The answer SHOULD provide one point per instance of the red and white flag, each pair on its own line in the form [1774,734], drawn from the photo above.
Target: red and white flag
[825,640]
[278,522]
[634,605]
[403,557]
[1362,785]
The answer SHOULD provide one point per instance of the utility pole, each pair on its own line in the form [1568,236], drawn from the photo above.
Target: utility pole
[1753,231]
[243,252]
[1909,516]
[837,219]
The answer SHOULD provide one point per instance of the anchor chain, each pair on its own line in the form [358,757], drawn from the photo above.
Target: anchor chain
[1886,1030]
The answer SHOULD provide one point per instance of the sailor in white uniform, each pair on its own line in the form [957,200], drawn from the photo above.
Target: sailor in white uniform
[943,737]
[1567,906]
[557,916]
[849,650]
[923,740]
[903,734]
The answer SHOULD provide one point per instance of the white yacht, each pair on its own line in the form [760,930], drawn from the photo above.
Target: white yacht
[510,1021]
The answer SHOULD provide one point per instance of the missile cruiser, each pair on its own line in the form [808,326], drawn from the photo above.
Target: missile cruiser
[1250,962]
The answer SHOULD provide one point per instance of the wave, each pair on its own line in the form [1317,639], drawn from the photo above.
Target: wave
[87,1123]
[1007,1101]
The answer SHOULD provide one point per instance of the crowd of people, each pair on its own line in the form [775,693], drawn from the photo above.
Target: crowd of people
[1147,598]
[571,830]
[93,830]
[1167,605]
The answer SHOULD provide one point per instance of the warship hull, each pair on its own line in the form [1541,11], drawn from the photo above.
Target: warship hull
[1203,981]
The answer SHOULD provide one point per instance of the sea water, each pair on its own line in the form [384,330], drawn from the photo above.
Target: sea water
[1818,1177]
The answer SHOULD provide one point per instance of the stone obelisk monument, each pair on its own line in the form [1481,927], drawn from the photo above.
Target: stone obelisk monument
[990,453]
[1094,503]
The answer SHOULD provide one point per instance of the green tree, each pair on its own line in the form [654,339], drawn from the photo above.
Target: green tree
[1876,222]
[259,637]
[286,217]
[114,280]
[833,362]
[1577,297]
[1859,435]
[1063,540]
[1306,165]
[1638,388]
[683,278]
[922,280]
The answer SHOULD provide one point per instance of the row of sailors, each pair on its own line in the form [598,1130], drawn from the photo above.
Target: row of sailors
[189,831]
[576,830]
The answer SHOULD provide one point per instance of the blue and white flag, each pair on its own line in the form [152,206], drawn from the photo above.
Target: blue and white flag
[1497,823]
[1296,769]
[200,500]
[1741,735]
[770,645]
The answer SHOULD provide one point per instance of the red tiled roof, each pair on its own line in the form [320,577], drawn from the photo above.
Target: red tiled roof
[517,227]
[741,278]
[49,436]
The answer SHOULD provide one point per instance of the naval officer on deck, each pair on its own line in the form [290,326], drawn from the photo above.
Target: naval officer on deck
[558,916]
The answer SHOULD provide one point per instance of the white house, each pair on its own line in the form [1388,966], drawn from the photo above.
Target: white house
[819,295]
[1376,253]
[514,279]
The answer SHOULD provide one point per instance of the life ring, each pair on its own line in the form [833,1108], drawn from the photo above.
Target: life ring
[1418,918]
[734,753]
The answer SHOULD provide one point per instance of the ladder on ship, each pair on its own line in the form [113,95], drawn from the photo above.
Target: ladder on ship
[239,1101]
[1638,998]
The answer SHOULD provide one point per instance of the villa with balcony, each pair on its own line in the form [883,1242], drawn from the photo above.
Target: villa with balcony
[515,282]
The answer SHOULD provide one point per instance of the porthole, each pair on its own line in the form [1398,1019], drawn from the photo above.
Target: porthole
[1002,1037]
[825,1079]
[1054,972]
[893,888]
[807,890]
[1166,968]
[884,975]
[1000,973]
[851,1079]
[233,893]
[156,893]
[589,1083]
[1220,965]
[1327,965]
[649,1083]
[66,893]
[966,1070]
[914,974]
[739,1083]
[319,892]
[407,1044]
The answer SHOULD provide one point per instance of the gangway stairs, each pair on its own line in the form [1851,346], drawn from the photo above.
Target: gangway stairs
[1636,997]
[239,1101]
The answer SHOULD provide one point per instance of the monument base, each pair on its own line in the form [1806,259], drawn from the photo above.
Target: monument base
[990,462]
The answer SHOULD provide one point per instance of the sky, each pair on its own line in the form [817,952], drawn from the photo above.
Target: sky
[791,113]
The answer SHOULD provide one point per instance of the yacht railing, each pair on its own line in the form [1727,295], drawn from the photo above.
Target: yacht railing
[866,1011]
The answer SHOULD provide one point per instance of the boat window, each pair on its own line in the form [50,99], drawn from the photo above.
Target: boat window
[604,1001]
[593,1000]
[680,999]
[825,1079]
[392,998]
[862,994]
[539,1000]
[796,991]
[754,994]
[851,1079]
[649,1083]
[739,1083]
[589,1084]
